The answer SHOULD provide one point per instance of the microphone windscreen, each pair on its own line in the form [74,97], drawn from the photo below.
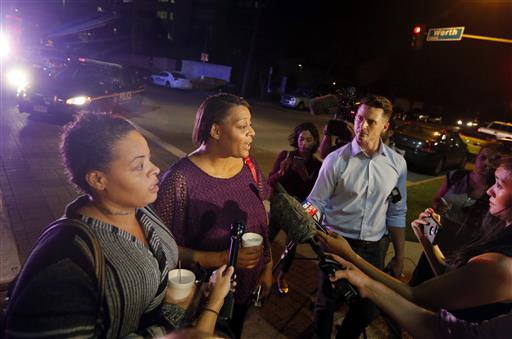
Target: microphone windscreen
[288,213]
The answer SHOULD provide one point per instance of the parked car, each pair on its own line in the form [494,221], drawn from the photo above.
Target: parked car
[499,129]
[171,79]
[430,147]
[474,140]
[83,85]
[298,99]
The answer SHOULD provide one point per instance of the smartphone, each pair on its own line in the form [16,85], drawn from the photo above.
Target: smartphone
[430,229]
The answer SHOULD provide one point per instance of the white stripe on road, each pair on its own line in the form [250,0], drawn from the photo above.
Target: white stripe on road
[414,183]
[157,140]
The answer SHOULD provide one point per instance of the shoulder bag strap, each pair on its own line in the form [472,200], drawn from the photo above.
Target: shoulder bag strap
[250,164]
[89,236]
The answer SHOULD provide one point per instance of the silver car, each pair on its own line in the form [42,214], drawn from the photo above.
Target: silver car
[298,99]
[171,79]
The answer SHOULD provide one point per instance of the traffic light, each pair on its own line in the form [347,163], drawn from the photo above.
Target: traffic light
[419,32]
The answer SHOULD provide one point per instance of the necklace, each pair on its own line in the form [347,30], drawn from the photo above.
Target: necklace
[108,212]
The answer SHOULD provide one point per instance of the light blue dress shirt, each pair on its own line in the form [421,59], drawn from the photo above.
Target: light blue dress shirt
[353,192]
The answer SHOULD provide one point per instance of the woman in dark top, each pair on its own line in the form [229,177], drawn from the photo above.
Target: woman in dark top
[56,294]
[296,171]
[216,185]
[477,287]
[462,204]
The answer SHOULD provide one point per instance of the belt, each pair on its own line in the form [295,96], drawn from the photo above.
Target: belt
[363,243]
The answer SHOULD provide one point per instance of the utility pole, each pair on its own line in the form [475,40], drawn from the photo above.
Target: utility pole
[248,65]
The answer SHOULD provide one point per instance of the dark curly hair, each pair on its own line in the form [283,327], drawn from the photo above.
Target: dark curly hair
[293,138]
[213,110]
[87,142]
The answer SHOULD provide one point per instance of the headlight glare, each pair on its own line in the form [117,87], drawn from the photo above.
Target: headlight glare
[79,101]
[17,78]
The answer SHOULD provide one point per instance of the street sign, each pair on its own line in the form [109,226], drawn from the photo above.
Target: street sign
[204,57]
[445,34]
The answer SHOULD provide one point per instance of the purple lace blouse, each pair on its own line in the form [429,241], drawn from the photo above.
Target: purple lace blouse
[199,209]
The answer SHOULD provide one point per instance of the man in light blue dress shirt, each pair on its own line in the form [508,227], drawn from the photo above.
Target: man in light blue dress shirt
[354,193]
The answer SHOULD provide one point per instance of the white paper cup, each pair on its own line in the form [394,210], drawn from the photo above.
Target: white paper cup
[179,290]
[251,239]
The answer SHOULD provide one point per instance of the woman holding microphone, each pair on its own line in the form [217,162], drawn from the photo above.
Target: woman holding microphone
[215,186]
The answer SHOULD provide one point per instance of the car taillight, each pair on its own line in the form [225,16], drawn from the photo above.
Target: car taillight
[428,146]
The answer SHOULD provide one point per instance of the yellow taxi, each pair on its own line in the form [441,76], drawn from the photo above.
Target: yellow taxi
[474,140]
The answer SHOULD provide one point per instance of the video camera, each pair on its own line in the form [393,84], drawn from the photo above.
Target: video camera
[347,103]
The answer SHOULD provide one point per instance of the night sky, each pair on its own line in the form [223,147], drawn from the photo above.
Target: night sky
[368,44]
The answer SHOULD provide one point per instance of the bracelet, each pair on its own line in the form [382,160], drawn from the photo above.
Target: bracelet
[209,309]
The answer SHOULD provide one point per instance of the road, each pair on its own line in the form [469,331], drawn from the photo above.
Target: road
[169,116]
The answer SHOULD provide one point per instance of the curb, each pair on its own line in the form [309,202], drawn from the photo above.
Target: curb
[9,256]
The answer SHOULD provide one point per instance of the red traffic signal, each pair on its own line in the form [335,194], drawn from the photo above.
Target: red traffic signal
[418,36]
[417,29]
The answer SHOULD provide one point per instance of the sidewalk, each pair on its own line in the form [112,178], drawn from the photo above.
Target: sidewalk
[9,257]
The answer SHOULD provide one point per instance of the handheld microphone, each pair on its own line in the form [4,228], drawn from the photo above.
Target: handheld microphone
[301,228]
[236,232]
[287,212]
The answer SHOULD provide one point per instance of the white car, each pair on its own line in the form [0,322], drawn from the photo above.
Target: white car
[498,129]
[171,79]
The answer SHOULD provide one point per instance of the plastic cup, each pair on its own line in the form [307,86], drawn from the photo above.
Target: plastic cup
[251,239]
[180,288]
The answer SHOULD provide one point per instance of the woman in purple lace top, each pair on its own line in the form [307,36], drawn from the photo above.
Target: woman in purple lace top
[217,185]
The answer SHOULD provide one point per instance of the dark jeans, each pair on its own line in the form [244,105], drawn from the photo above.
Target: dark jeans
[422,272]
[361,311]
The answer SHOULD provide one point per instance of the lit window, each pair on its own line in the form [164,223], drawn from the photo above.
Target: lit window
[171,16]
[173,1]
[162,15]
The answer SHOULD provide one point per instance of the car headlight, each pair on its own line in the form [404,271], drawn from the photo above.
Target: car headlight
[78,101]
[17,78]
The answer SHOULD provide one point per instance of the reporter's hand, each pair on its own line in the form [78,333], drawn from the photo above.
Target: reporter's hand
[335,243]
[429,212]
[219,285]
[418,225]
[353,275]
[248,257]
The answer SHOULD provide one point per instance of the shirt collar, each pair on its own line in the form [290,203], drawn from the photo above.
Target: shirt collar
[356,149]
